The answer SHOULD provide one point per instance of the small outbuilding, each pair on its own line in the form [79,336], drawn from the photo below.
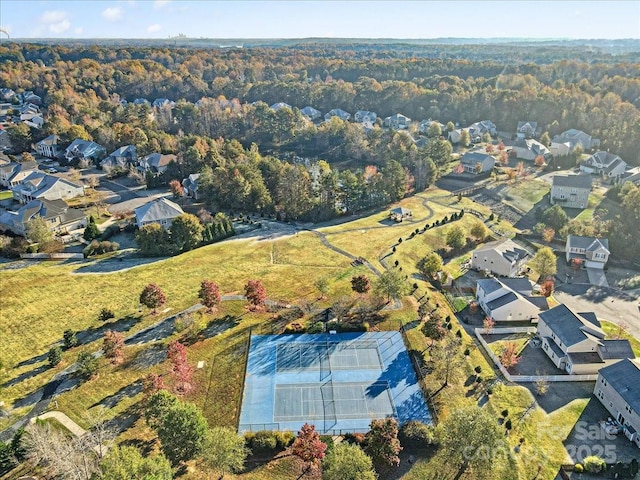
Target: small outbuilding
[399,214]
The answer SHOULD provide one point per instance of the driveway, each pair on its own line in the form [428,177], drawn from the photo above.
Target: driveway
[608,304]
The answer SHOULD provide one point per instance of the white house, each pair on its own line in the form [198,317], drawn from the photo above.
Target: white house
[503,257]
[477,162]
[121,157]
[509,299]
[41,186]
[362,116]
[161,211]
[58,216]
[337,112]
[570,191]
[575,342]
[618,389]
[190,186]
[12,173]
[591,252]
[311,113]
[526,129]
[279,105]
[397,121]
[49,147]
[423,126]
[84,150]
[567,142]
[604,163]
[529,149]
[478,129]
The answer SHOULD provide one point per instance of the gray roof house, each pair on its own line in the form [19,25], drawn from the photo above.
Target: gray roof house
[160,210]
[5,141]
[570,191]
[478,129]
[477,162]
[121,157]
[504,258]
[591,252]
[526,129]
[604,163]
[398,214]
[41,186]
[337,112]
[397,121]
[423,126]
[190,186]
[529,149]
[311,113]
[575,342]
[49,147]
[141,101]
[566,142]
[632,175]
[7,94]
[12,173]
[84,150]
[362,116]
[618,389]
[58,216]
[162,102]
[156,163]
[279,105]
[509,299]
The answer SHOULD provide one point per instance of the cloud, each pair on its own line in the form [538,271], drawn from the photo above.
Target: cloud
[112,14]
[156,27]
[56,21]
[78,30]
[160,3]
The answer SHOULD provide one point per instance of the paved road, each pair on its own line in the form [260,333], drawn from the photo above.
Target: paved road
[609,304]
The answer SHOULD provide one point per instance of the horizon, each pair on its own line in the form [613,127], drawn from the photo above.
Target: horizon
[282,20]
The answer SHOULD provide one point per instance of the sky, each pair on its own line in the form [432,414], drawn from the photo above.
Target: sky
[301,19]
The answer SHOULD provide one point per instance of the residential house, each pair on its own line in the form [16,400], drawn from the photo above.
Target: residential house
[141,101]
[160,210]
[190,186]
[38,185]
[30,97]
[363,116]
[49,147]
[337,112]
[58,216]
[423,126]
[7,94]
[162,102]
[122,157]
[590,252]
[503,257]
[631,175]
[477,162]
[156,163]
[478,129]
[566,142]
[529,149]
[279,105]
[575,342]
[454,135]
[570,191]
[5,141]
[32,120]
[618,389]
[526,129]
[311,113]
[509,299]
[84,150]
[397,121]
[604,163]
[12,173]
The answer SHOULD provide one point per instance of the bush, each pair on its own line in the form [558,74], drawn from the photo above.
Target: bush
[32,249]
[467,352]
[478,369]
[578,468]
[415,435]
[284,439]
[593,464]
[316,327]
[54,246]
[110,231]
[357,438]
[55,356]
[70,339]
[328,440]
[264,441]
[106,314]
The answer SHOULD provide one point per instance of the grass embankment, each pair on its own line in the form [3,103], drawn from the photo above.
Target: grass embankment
[6,194]
[614,331]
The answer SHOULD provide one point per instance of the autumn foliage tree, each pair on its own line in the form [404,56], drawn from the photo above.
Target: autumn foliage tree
[113,346]
[360,284]
[209,295]
[509,356]
[151,384]
[176,188]
[548,234]
[308,446]
[383,445]
[546,288]
[153,297]
[181,370]
[488,323]
[255,293]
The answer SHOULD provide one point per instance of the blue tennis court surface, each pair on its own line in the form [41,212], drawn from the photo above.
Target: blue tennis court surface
[338,382]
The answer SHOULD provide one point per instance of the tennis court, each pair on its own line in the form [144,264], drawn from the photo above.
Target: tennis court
[338,382]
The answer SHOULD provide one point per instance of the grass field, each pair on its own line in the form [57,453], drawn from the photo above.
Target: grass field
[614,331]
[6,194]
[525,194]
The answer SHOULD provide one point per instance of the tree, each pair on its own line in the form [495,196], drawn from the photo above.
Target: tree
[456,237]
[546,287]
[127,463]
[465,138]
[347,462]
[488,323]
[391,284]
[152,296]
[544,263]
[92,231]
[105,314]
[450,126]
[509,355]
[545,139]
[87,365]
[255,293]
[181,370]
[432,329]
[555,217]
[209,295]
[113,346]
[224,450]
[186,232]
[434,130]
[479,230]
[151,383]
[176,188]
[539,161]
[38,231]
[69,339]
[446,358]
[55,356]
[182,431]
[322,285]
[157,406]
[470,437]
[382,442]
[430,265]
[548,234]
[542,386]
[308,447]
[360,284]
[153,240]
